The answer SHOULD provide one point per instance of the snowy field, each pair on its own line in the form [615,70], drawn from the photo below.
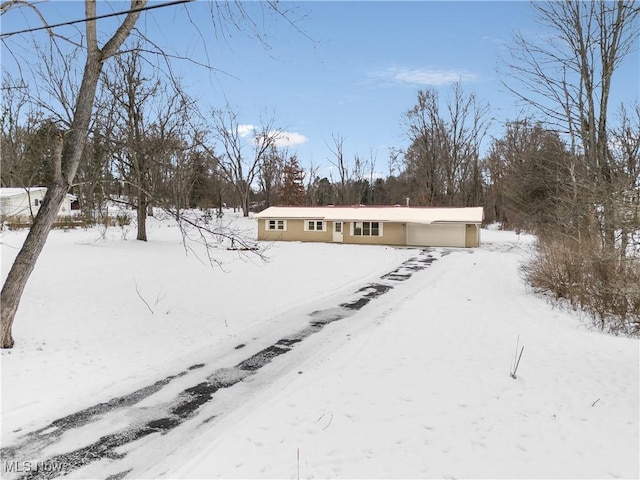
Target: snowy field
[415,384]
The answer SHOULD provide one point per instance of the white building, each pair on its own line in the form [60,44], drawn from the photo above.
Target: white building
[23,202]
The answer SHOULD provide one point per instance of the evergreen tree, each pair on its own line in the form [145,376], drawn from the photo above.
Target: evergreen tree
[292,192]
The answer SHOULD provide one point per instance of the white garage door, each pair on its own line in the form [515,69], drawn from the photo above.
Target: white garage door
[436,235]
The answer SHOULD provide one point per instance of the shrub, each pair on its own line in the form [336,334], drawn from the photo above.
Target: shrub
[63,222]
[122,220]
[16,222]
[107,221]
[605,285]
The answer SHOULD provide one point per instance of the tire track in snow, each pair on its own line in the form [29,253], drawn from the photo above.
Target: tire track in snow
[189,400]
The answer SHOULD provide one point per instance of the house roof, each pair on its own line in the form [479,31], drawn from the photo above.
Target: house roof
[14,191]
[380,214]
[6,192]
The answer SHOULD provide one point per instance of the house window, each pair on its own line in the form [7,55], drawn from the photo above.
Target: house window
[277,225]
[314,226]
[367,229]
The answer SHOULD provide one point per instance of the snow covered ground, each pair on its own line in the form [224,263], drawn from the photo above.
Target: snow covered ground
[414,384]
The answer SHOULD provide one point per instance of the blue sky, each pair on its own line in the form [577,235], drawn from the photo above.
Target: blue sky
[349,69]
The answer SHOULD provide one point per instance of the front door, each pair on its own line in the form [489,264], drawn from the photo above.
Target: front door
[337,231]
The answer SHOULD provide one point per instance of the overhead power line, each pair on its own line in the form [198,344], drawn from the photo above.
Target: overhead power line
[97,17]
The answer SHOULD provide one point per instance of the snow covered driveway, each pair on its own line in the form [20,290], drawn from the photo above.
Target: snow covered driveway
[95,441]
[412,381]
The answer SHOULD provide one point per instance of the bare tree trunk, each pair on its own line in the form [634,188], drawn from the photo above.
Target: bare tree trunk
[142,215]
[344,185]
[71,155]
[25,261]
[245,204]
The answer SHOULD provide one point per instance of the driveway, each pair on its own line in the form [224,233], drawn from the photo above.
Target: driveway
[112,436]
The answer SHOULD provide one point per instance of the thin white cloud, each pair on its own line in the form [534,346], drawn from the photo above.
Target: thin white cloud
[244,130]
[290,139]
[283,139]
[424,76]
[499,42]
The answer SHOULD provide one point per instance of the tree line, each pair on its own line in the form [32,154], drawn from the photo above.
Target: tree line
[145,149]
[148,144]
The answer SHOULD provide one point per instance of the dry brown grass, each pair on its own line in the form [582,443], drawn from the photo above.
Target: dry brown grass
[605,285]
[15,222]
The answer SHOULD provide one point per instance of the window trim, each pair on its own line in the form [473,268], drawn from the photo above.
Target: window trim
[276,222]
[308,222]
[369,229]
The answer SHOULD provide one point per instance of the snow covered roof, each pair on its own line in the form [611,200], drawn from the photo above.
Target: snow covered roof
[7,192]
[381,214]
[13,191]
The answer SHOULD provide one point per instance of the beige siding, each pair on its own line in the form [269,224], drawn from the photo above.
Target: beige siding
[436,235]
[392,234]
[295,232]
[269,235]
[472,236]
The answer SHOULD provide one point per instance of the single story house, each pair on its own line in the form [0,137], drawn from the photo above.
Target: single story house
[387,225]
[23,202]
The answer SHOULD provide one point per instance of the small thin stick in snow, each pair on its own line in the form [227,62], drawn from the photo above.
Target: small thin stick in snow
[159,297]
[593,404]
[330,420]
[141,298]
[516,358]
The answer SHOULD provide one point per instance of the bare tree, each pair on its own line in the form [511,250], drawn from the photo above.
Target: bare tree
[244,149]
[76,104]
[625,153]
[311,186]
[66,164]
[568,79]
[152,137]
[94,179]
[344,183]
[426,132]
[133,93]
[270,175]
[371,197]
[567,76]
[443,157]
